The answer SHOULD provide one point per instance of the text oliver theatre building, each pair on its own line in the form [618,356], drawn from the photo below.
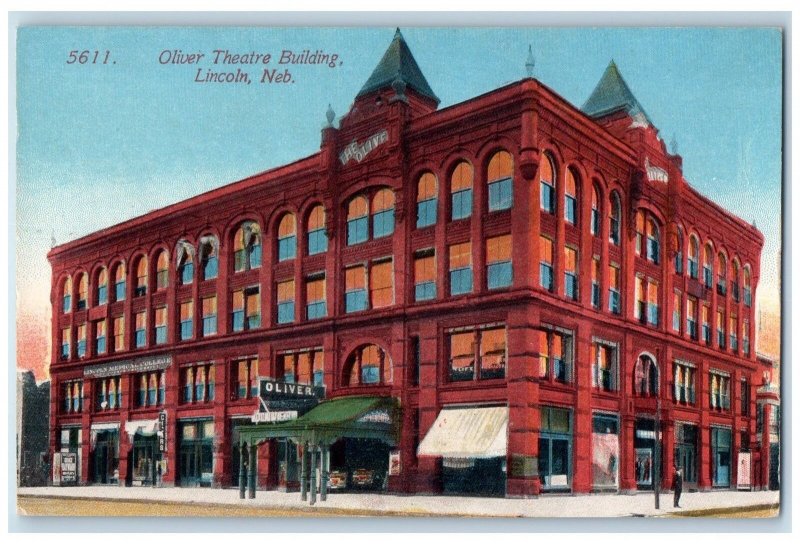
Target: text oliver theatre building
[527,282]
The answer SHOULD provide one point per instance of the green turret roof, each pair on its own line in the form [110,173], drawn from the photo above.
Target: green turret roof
[613,94]
[398,64]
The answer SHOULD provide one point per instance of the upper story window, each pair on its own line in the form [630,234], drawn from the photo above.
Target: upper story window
[305,366]
[645,377]
[244,377]
[547,184]
[425,275]
[720,390]
[160,319]
[141,277]
[486,346]
[653,244]
[746,336]
[427,199]
[209,310]
[66,296]
[694,256]
[500,176]
[571,273]
[556,354]
[705,319]
[677,298]
[357,221]
[82,340]
[721,327]
[733,321]
[187,320]
[246,309]
[140,332]
[367,365]
[677,242]
[614,302]
[383,213]
[646,308]
[209,257]
[285,300]
[722,275]
[748,293]
[185,262]
[162,270]
[735,280]
[247,247]
[119,333]
[596,282]
[100,337]
[83,291]
[571,197]
[596,211]
[684,382]
[546,262]
[355,295]
[287,238]
[72,392]
[66,335]
[109,393]
[615,219]
[151,387]
[198,383]
[102,287]
[317,235]
[691,317]
[499,272]
[381,284]
[605,362]
[708,263]
[460,260]
[316,306]
[461,191]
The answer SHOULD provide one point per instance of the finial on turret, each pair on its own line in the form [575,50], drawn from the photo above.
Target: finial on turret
[330,115]
[673,145]
[529,63]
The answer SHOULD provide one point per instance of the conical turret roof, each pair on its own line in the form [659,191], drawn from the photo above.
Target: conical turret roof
[398,64]
[613,94]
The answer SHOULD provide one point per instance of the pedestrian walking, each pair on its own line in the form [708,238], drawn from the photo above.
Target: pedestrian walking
[677,485]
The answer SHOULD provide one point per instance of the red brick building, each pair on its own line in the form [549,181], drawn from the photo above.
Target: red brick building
[511,251]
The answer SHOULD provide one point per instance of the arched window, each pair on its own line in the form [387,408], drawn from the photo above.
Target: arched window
[383,213]
[645,378]
[209,257]
[162,270]
[427,191]
[547,187]
[83,291]
[678,248]
[571,197]
[615,216]
[499,176]
[247,247]
[317,236]
[722,274]
[708,263]
[357,221]
[694,256]
[748,294]
[287,238]
[119,282]
[596,213]
[102,286]
[66,296]
[461,191]
[368,365]
[185,262]
[735,280]
[141,277]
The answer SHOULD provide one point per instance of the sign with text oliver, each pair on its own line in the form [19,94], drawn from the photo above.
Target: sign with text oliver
[272,389]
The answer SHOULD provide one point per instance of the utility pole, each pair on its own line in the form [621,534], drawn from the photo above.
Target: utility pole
[657,453]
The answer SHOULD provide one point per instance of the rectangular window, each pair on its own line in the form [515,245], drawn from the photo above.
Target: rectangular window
[570,208]
[355,296]
[684,382]
[546,263]
[462,203]
[187,272]
[604,365]
[746,337]
[460,268]
[493,353]
[119,334]
[500,195]
[706,323]
[245,378]
[745,397]
[691,317]
[287,247]
[614,303]
[72,397]
[150,388]
[187,319]
[82,340]
[640,293]
[305,366]
[499,271]
[652,302]
[462,356]
[721,328]
[109,394]
[677,301]
[732,332]
[425,275]
[286,301]
[198,383]
[100,337]
[102,294]
[381,284]
[209,316]
[547,195]
[555,355]
[119,290]
[316,306]
[66,303]
[252,308]
[161,325]
[571,273]
[720,390]
[595,282]
[487,346]
[426,213]
[65,341]
[237,311]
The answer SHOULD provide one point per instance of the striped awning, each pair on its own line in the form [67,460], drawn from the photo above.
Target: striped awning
[460,433]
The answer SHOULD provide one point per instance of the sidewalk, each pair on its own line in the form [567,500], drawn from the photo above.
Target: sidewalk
[597,505]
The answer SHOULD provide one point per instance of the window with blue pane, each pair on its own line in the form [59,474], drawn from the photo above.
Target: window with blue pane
[613,301]
[615,217]
[102,294]
[357,221]
[81,346]
[546,276]
[595,294]
[461,191]
[140,338]
[187,273]
[462,204]
[209,254]
[287,248]
[383,213]
[652,314]
[368,365]
[100,345]
[498,258]
[317,242]
[571,197]
[286,297]
[209,325]
[66,304]
[500,195]
[187,316]
[499,176]
[461,281]
[316,310]
[426,213]
[355,297]
[286,312]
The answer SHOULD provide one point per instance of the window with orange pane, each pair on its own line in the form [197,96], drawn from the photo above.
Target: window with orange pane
[425,275]
[427,199]
[499,176]
[383,213]
[83,291]
[460,261]
[357,221]
[571,273]
[187,320]
[499,272]
[481,348]
[303,366]
[66,296]
[209,315]
[546,262]
[571,197]
[161,325]
[355,295]
[141,277]
[555,355]
[547,184]
[381,284]
[285,297]
[368,365]
[317,236]
[287,238]
[102,287]
[162,271]
[461,191]
[244,378]
[316,306]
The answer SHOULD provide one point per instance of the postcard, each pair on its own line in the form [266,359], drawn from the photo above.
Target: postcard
[398,271]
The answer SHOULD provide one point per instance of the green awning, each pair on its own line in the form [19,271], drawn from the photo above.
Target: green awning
[344,417]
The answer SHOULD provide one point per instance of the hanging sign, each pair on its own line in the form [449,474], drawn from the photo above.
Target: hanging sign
[162,431]
[272,389]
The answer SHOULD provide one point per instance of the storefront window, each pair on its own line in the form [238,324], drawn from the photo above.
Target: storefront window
[555,355]
[196,459]
[605,451]
[555,449]
[720,456]
[488,346]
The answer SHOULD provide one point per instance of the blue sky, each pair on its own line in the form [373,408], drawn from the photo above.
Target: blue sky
[99,144]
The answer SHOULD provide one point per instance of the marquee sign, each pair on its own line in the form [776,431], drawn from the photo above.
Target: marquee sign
[360,151]
[272,389]
[115,368]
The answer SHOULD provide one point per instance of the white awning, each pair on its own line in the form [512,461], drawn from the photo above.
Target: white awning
[460,433]
[143,426]
[105,426]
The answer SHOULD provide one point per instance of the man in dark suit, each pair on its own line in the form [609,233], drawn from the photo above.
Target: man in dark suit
[677,485]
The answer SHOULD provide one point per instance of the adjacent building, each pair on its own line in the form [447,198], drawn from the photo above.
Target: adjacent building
[33,413]
[536,287]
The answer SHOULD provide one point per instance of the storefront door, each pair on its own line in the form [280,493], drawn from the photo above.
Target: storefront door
[196,458]
[686,452]
[105,457]
[555,449]
[145,457]
[644,444]
[721,457]
[605,451]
